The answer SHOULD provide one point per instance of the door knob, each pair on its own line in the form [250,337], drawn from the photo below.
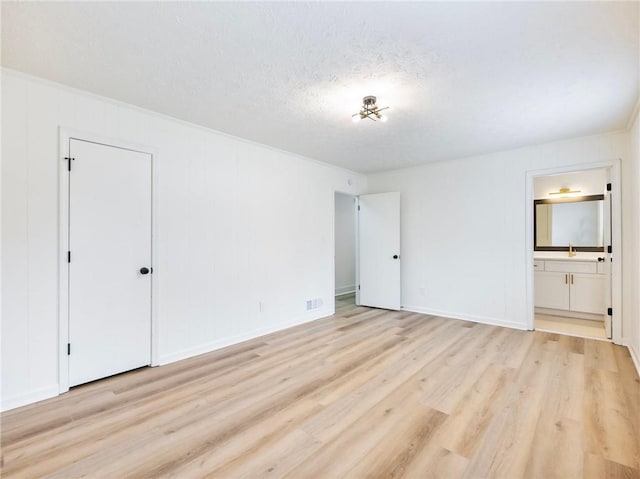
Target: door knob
[144,270]
[395,256]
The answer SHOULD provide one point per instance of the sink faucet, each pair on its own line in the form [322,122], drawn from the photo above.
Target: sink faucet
[572,252]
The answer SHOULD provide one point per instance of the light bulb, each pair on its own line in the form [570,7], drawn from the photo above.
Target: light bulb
[383,118]
[356,118]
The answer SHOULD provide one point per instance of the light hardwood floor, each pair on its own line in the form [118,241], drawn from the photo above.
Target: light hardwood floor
[364,393]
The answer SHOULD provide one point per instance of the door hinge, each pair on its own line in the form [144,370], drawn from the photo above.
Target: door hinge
[68,349]
[609,311]
[68,256]
[358,287]
[609,249]
[608,186]
[69,160]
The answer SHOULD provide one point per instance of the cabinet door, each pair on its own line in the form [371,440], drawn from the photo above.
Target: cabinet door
[551,290]
[587,293]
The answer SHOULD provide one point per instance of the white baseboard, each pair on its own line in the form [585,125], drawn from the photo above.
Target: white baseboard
[466,317]
[345,290]
[29,397]
[47,392]
[224,342]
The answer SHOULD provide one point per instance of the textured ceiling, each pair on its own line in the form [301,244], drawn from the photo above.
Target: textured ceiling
[461,78]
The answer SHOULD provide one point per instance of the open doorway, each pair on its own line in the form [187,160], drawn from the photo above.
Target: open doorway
[573,228]
[345,250]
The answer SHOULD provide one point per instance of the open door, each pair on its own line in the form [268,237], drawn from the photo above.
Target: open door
[379,250]
[607,258]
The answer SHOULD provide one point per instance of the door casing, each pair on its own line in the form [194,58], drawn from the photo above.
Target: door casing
[65,135]
[356,239]
[616,240]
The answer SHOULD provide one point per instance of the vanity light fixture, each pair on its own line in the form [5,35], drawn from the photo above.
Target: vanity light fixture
[565,192]
[370,110]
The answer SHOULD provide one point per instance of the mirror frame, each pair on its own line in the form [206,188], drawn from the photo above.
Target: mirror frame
[575,199]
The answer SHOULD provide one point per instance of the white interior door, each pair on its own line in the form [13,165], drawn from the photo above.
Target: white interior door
[379,250]
[110,245]
[607,260]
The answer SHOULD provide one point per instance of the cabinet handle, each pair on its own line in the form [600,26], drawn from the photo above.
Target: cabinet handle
[566,279]
[571,279]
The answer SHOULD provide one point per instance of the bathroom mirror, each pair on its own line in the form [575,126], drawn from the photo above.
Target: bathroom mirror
[560,221]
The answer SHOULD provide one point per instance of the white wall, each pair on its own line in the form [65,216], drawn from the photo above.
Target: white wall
[345,234]
[463,228]
[631,229]
[588,182]
[238,224]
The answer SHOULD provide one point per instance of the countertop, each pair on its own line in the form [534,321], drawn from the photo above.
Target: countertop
[563,256]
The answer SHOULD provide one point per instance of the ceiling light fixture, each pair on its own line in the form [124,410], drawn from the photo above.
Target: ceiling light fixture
[565,192]
[369,110]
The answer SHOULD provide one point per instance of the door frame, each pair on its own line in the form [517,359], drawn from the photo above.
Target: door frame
[65,136]
[356,239]
[616,239]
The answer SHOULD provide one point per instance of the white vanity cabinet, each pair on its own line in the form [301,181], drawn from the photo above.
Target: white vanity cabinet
[576,286]
[551,290]
[587,293]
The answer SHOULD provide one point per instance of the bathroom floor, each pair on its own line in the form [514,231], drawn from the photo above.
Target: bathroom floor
[573,327]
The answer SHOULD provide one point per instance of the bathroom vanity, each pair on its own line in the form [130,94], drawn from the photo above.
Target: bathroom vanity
[570,285]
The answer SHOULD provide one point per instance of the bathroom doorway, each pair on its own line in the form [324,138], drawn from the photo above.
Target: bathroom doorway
[574,275]
[345,250]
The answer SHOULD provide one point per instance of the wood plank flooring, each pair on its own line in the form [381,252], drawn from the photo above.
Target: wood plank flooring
[365,393]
